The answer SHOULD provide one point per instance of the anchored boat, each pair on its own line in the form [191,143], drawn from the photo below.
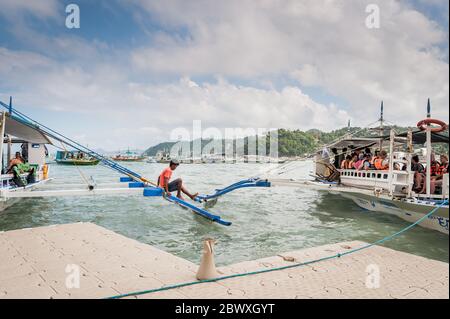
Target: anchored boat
[128,157]
[19,128]
[75,158]
[388,190]
[21,173]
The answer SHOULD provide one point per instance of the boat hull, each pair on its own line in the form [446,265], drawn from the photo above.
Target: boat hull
[8,202]
[77,163]
[407,209]
[128,159]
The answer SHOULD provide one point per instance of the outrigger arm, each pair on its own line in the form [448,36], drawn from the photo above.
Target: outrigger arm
[149,187]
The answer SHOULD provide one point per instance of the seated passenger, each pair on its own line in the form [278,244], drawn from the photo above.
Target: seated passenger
[346,163]
[437,174]
[382,163]
[18,159]
[354,159]
[375,157]
[359,162]
[366,162]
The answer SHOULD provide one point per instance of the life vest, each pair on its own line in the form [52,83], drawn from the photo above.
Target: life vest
[379,164]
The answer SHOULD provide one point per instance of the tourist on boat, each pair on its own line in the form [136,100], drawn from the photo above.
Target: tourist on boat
[346,163]
[18,159]
[437,173]
[382,163]
[419,174]
[359,162]
[365,165]
[354,159]
[24,150]
[375,157]
[175,185]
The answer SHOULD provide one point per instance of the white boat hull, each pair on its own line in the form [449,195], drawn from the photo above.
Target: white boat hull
[374,204]
[409,210]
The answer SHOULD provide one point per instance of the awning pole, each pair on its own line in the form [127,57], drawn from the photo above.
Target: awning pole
[429,150]
[2,133]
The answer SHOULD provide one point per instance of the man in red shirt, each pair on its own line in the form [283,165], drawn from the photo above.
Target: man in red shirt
[177,184]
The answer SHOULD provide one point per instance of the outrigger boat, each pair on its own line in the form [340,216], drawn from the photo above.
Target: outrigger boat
[388,191]
[128,157]
[14,123]
[19,181]
[74,158]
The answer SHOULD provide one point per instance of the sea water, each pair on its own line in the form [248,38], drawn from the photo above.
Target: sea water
[266,221]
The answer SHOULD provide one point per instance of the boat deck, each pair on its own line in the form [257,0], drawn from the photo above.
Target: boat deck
[39,262]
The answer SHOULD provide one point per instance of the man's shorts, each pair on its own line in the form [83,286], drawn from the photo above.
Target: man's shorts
[173,185]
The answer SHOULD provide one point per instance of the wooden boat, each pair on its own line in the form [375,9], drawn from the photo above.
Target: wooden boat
[23,129]
[74,158]
[128,157]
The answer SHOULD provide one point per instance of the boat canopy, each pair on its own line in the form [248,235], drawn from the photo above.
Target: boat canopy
[24,130]
[420,137]
[355,143]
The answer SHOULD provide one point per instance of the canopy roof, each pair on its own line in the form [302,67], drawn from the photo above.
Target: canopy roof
[355,143]
[22,129]
[420,137]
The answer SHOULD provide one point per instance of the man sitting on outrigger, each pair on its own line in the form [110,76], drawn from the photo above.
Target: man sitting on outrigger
[177,184]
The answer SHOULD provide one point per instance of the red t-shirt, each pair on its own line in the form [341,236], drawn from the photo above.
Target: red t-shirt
[167,173]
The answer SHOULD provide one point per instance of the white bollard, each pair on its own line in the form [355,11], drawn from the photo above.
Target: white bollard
[207,269]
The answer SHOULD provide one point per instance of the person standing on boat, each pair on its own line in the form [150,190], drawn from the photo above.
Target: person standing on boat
[175,185]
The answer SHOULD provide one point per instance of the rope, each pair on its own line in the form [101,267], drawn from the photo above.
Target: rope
[78,168]
[338,255]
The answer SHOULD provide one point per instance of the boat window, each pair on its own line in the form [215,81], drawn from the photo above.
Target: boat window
[364,175]
[385,176]
[373,175]
[378,175]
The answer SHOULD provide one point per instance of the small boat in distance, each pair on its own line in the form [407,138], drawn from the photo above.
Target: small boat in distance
[75,158]
[129,156]
[163,157]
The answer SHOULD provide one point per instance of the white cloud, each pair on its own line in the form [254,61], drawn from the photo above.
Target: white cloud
[320,43]
[38,8]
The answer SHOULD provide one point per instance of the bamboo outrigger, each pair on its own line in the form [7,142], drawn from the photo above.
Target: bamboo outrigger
[14,123]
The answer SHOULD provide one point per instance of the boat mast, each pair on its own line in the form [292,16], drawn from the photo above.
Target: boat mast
[381,126]
[429,150]
[2,133]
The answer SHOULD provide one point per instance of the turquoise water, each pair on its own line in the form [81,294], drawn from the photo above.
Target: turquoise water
[266,221]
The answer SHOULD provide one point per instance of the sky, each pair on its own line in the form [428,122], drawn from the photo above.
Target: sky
[136,70]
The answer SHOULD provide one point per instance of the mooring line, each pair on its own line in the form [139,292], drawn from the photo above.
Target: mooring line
[338,255]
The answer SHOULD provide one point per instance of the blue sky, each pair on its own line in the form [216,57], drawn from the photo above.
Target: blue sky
[136,70]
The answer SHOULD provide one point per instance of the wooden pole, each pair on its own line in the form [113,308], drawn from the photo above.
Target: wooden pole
[429,150]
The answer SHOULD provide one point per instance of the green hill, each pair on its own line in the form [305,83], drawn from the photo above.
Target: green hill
[299,143]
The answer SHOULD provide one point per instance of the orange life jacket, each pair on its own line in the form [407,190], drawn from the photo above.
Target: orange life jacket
[379,164]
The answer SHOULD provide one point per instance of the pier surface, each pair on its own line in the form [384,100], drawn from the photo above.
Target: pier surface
[44,262]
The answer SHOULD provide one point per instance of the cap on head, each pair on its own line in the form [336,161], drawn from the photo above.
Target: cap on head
[174,162]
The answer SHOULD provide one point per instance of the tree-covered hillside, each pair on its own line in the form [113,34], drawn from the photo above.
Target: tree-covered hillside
[292,143]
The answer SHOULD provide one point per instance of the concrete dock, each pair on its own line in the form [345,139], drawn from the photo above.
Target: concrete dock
[84,260]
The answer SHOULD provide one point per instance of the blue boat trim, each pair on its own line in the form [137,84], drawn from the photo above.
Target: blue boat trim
[130,177]
[198,210]
[136,185]
[152,191]
[253,182]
